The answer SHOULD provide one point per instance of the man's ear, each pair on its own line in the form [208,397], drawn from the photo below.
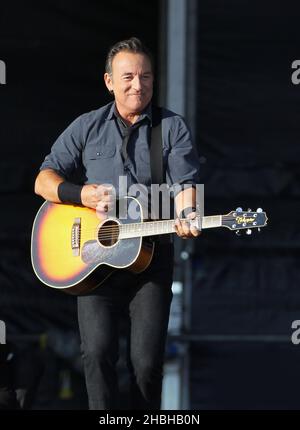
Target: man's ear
[108,82]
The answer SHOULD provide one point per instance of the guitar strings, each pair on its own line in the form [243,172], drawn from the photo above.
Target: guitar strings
[143,225]
[135,225]
[114,231]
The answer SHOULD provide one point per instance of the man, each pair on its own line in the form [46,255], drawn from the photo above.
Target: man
[86,157]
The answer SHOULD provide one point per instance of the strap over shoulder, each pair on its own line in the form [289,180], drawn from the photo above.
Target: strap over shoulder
[156,147]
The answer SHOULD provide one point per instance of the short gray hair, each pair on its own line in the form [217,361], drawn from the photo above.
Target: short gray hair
[133,45]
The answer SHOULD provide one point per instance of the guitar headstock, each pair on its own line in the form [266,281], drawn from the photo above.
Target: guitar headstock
[240,220]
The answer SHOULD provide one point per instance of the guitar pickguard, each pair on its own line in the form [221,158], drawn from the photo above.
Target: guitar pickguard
[120,255]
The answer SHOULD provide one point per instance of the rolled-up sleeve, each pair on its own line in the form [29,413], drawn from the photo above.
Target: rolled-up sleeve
[183,161]
[66,152]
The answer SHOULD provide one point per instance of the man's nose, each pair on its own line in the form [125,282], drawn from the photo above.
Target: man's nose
[136,83]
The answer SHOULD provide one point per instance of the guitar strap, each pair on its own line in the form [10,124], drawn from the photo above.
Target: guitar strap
[156,147]
[158,175]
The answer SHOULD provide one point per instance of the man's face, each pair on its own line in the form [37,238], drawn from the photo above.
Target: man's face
[131,81]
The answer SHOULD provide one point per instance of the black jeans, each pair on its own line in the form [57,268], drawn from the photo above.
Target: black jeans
[146,299]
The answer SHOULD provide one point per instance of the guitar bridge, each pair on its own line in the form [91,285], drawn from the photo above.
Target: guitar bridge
[75,237]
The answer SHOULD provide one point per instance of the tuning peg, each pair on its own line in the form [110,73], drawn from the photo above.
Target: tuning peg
[238,233]
[259,210]
[249,210]
[239,210]
[248,231]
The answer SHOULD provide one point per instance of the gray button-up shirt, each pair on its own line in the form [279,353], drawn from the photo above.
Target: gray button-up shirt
[89,150]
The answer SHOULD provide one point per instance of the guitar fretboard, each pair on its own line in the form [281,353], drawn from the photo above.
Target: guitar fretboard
[152,228]
[212,221]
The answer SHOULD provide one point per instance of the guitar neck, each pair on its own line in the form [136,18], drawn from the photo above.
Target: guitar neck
[152,228]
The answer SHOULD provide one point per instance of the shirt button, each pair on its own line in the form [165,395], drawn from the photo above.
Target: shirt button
[99,153]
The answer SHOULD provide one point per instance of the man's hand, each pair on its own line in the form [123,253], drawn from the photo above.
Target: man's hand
[106,201]
[99,197]
[183,228]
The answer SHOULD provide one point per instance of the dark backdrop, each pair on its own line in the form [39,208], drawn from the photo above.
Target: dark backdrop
[248,132]
[54,53]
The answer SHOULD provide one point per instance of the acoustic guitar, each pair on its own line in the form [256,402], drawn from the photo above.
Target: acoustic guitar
[75,251]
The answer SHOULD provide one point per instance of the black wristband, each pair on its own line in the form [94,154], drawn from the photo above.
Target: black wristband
[185,212]
[69,193]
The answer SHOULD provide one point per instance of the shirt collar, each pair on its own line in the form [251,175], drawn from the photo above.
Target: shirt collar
[147,113]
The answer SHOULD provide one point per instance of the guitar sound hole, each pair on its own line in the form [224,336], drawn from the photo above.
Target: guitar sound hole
[108,233]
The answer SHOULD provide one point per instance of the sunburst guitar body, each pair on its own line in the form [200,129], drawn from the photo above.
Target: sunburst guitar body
[70,242]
